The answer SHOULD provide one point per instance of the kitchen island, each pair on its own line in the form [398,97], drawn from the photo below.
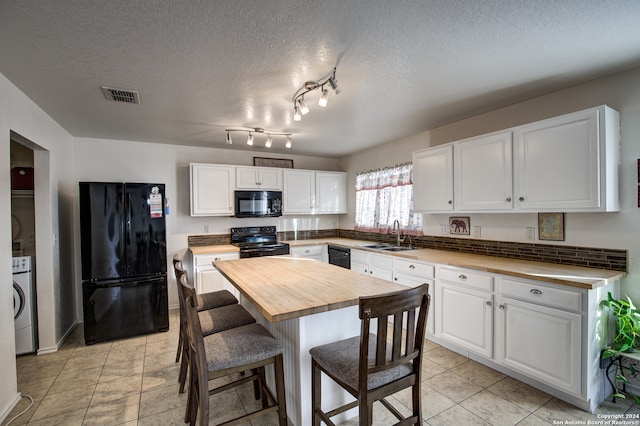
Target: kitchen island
[304,303]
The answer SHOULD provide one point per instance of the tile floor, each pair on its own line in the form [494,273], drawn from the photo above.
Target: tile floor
[134,382]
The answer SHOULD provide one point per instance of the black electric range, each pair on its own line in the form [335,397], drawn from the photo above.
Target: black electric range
[256,241]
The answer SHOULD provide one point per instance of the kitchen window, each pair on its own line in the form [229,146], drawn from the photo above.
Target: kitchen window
[384,195]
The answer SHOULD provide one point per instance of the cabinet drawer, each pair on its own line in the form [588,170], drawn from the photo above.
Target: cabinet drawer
[381,261]
[542,295]
[359,256]
[410,267]
[207,259]
[307,250]
[468,278]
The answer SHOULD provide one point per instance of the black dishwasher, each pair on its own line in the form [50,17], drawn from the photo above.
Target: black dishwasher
[340,256]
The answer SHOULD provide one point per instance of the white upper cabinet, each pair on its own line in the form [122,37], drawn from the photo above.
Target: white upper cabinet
[212,190]
[331,194]
[314,192]
[568,163]
[298,196]
[482,173]
[563,164]
[433,179]
[259,178]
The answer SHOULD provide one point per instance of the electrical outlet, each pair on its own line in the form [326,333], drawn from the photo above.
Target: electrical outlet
[206,229]
[476,231]
[531,233]
[444,229]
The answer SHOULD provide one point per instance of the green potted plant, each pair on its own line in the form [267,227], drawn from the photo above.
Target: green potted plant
[627,340]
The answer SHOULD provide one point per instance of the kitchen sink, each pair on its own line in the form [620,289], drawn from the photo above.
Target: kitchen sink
[378,246]
[396,248]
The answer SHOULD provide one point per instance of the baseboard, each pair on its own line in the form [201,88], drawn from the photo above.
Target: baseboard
[53,349]
[5,413]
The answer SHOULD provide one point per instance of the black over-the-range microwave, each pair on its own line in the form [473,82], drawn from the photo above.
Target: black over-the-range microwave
[258,203]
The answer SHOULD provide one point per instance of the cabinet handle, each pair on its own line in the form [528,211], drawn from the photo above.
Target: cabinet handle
[307,251]
[462,277]
[371,272]
[365,271]
[217,258]
[521,199]
[535,291]
[395,279]
[501,307]
[488,303]
[508,199]
[449,202]
[412,267]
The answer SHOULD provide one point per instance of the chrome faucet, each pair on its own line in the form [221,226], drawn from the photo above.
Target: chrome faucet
[396,223]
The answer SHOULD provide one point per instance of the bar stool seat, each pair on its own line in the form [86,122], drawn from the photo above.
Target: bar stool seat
[224,318]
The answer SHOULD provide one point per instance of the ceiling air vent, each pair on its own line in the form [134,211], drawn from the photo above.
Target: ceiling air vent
[121,95]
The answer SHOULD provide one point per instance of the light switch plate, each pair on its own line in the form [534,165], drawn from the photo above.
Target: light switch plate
[531,233]
[477,231]
[444,229]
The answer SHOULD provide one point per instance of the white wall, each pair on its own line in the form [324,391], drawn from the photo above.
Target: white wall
[611,230]
[122,161]
[54,172]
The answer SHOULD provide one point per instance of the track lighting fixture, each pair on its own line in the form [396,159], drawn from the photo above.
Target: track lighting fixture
[300,108]
[251,130]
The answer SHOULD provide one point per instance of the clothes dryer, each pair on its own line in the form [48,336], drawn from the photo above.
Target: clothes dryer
[23,310]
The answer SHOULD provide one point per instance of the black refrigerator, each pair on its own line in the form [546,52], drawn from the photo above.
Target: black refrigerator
[124,260]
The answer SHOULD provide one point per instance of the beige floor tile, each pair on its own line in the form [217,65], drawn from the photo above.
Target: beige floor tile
[430,369]
[162,346]
[37,389]
[479,374]
[161,360]
[160,378]
[556,410]
[114,412]
[521,394]
[494,410]
[172,417]
[72,418]
[125,353]
[533,420]
[457,415]
[162,399]
[433,402]
[25,405]
[125,368]
[445,357]
[92,349]
[63,402]
[429,345]
[67,381]
[40,371]
[112,390]
[79,362]
[453,386]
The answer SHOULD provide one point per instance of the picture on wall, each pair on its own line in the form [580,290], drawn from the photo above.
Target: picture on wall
[551,226]
[459,225]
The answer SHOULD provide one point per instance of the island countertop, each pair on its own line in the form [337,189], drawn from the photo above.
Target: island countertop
[285,287]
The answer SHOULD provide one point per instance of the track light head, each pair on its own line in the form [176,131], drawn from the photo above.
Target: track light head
[296,114]
[324,99]
[304,109]
[334,84]
[229,141]
[288,143]
[269,141]
[250,139]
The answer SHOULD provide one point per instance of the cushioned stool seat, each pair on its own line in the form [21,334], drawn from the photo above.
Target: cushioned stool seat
[224,318]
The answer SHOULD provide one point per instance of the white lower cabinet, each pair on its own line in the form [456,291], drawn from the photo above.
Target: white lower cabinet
[541,342]
[464,310]
[413,274]
[207,278]
[547,335]
[316,252]
[372,264]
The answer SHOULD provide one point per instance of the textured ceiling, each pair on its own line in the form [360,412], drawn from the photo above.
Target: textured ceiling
[201,66]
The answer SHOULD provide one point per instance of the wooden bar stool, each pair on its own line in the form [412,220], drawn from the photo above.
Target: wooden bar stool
[373,366]
[250,347]
[212,320]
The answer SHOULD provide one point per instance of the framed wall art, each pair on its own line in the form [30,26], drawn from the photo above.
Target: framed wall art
[459,225]
[551,226]
[273,162]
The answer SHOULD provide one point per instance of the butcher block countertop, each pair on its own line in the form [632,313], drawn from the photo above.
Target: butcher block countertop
[220,248]
[574,276]
[286,287]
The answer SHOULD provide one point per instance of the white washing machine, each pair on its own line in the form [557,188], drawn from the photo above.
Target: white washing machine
[23,310]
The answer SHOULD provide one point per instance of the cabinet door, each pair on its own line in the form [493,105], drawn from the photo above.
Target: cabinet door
[270,179]
[298,194]
[331,194]
[540,342]
[483,173]
[433,179]
[412,281]
[258,178]
[556,163]
[311,252]
[464,317]
[212,190]
[247,178]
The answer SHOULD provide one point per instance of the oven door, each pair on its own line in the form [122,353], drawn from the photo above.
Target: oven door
[275,250]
